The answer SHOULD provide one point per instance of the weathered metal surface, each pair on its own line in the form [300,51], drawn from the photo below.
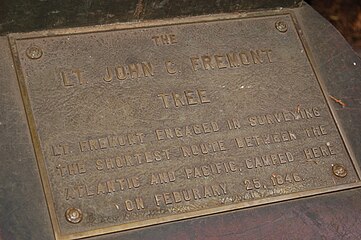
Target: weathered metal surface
[26,16]
[155,123]
[24,214]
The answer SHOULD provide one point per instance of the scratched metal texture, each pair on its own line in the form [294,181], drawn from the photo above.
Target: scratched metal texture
[329,216]
[67,107]
[23,212]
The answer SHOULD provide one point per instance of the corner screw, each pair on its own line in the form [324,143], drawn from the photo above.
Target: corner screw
[281,26]
[339,170]
[74,215]
[34,52]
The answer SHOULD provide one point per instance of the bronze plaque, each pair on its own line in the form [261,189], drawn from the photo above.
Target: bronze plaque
[146,123]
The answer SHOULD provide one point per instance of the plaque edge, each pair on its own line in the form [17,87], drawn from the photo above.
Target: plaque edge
[206,212]
[14,37]
[35,140]
[323,88]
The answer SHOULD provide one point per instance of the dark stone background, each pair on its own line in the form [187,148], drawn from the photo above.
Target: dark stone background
[345,15]
[33,15]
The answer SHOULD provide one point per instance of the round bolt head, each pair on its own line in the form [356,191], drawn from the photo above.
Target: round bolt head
[73,215]
[339,170]
[34,52]
[281,26]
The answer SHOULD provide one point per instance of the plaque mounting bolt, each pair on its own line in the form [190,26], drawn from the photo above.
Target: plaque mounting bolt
[281,26]
[34,52]
[74,215]
[339,170]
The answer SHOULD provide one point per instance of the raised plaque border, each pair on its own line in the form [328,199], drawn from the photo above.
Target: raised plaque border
[149,24]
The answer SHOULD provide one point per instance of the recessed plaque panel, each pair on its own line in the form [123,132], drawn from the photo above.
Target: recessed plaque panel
[141,124]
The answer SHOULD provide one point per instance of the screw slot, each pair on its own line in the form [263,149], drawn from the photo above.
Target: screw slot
[281,26]
[74,215]
[339,170]
[34,52]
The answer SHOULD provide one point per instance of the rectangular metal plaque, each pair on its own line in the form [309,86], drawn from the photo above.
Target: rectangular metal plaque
[140,124]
